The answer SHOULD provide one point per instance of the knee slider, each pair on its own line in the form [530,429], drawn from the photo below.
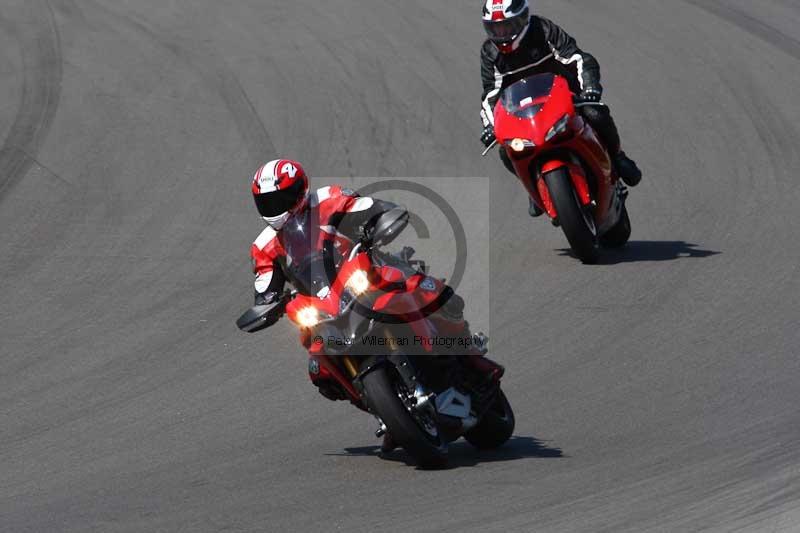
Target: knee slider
[453,307]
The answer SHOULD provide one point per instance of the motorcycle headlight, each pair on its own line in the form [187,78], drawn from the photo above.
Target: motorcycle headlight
[520,145]
[308,317]
[558,128]
[358,283]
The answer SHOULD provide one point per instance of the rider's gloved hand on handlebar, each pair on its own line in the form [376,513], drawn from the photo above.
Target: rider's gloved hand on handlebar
[592,93]
[487,137]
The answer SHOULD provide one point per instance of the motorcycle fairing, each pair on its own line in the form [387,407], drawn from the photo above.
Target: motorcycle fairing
[579,149]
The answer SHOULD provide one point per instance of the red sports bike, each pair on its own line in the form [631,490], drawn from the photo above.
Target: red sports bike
[562,163]
[371,324]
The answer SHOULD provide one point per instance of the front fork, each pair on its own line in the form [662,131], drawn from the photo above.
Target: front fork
[350,365]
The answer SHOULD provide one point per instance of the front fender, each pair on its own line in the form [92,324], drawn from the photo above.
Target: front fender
[577,176]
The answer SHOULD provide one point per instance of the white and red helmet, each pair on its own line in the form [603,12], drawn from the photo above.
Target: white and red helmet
[279,188]
[506,22]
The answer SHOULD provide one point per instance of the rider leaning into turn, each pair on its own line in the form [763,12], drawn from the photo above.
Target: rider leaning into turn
[281,191]
[521,45]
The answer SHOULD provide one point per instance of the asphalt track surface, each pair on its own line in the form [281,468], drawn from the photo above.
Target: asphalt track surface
[657,391]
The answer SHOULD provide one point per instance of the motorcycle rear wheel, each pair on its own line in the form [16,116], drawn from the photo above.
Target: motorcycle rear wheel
[576,222]
[618,236]
[427,449]
[496,426]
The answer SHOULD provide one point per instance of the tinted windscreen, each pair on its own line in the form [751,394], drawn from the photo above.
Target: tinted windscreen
[312,260]
[518,99]
[313,274]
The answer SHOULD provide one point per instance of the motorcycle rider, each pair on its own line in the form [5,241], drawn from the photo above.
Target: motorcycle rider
[520,45]
[281,191]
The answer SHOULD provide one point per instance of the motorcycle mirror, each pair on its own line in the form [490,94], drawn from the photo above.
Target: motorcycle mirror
[256,318]
[389,225]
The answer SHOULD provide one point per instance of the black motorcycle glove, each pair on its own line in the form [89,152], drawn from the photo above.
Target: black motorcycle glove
[487,137]
[592,93]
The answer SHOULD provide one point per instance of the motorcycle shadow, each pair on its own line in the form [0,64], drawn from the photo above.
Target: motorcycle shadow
[649,251]
[462,454]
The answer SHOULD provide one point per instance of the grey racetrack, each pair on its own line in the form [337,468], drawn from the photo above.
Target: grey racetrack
[657,391]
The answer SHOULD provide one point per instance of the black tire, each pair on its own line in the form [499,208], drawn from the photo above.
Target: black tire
[578,225]
[383,399]
[618,236]
[496,426]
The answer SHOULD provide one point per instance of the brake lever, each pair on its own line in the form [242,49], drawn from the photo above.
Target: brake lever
[489,148]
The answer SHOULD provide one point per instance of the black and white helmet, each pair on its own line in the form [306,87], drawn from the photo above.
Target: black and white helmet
[506,22]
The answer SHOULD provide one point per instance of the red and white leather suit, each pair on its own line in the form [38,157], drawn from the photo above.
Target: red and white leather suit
[339,213]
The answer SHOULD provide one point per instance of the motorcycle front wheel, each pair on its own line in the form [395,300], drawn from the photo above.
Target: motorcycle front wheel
[415,432]
[576,221]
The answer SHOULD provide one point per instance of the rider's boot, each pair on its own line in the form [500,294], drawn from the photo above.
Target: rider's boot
[627,169]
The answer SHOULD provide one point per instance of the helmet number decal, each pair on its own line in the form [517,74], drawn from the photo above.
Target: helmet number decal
[289,169]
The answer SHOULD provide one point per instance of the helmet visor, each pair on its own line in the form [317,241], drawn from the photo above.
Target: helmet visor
[505,31]
[272,204]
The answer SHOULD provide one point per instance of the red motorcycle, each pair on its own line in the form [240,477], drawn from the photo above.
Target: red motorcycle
[371,322]
[562,163]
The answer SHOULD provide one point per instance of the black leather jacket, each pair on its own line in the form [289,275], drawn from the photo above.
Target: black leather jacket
[545,47]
